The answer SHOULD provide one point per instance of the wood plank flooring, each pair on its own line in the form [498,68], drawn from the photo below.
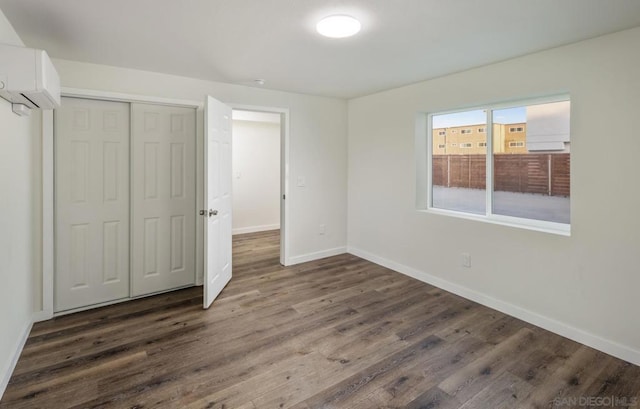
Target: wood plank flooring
[335,333]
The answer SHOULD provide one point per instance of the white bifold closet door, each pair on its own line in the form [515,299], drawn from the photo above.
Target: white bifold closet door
[92,202]
[163,198]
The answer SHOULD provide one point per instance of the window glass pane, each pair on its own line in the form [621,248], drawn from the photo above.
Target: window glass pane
[531,155]
[459,161]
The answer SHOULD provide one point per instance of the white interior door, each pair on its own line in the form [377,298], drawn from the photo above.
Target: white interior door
[91,203]
[217,170]
[163,190]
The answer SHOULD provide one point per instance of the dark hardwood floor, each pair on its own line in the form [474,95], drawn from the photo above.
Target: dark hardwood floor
[335,333]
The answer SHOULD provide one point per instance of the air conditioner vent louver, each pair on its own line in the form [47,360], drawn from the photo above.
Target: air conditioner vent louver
[32,103]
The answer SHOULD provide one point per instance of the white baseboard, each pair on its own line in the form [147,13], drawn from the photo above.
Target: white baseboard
[255,229]
[315,256]
[7,371]
[576,334]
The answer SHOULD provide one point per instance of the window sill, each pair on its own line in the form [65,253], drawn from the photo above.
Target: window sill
[560,229]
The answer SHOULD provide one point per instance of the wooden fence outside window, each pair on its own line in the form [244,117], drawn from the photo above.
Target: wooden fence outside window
[542,173]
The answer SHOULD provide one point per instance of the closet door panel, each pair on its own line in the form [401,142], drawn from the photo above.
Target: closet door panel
[163,197]
[91,203]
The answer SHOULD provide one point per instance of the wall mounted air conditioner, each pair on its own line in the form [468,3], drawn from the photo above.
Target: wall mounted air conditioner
[28,77]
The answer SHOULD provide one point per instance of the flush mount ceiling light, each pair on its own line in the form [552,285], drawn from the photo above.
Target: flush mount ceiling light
[338,26]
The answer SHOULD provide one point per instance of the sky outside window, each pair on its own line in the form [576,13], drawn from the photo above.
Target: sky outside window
[479,116]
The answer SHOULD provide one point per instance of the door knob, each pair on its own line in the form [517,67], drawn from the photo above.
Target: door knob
[213,212]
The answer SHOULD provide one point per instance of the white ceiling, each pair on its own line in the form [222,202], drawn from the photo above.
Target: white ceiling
[237,41]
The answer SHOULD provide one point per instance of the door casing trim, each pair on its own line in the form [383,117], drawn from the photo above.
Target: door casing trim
[285,199]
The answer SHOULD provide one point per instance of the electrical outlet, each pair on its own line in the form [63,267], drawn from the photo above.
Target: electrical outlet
[465,260]
[322,229]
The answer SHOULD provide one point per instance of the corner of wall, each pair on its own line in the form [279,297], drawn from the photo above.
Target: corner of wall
[19,224]
[576,334]
[7,34]
[10,365]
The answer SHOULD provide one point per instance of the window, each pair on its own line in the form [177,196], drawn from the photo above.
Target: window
[453,145]
[442,133]
[481,130]
[528,187]
[463,131]
[442,146]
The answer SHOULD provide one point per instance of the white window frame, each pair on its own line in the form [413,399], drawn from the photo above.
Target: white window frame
[516,129]
[466,145]
[424,199]
[482,144]
[516,144]
[466,131]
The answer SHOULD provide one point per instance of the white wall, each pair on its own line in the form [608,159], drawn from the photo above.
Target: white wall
[584,286]
[19,223]
[7,34]
[256,176]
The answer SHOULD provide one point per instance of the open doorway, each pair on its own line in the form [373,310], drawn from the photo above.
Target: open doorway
[258,165]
